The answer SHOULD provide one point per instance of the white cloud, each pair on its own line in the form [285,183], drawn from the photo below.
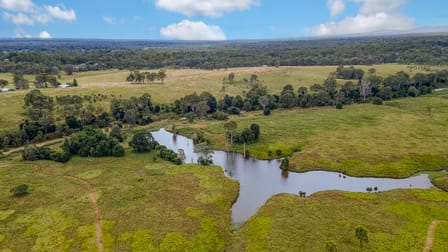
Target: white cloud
[359,24]
[373,16]
[25,12]
[44,35]
[375,6]
[336,7]
[61,13]
[191,30]
[17,5]
[109,20]
[18,19]
[211,8]
[20,33]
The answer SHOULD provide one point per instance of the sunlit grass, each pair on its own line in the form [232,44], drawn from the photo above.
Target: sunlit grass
[58,213]
[396,221]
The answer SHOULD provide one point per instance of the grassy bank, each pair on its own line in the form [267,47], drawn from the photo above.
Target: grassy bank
[397,139]
[143,204]
[396,221]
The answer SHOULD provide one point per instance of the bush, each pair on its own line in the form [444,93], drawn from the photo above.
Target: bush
[220,116]
[285,164]
[117,151]
[31,153]
[143,142]
[339,105]
[20,190]
[278,153]
[233,110]
[60,156]
[266,111]
[377,101]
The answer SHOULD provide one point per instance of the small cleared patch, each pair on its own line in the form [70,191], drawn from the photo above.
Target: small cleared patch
[90,174]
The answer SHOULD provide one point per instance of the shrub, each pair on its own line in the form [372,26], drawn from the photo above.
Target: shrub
[285,164]
[266,111]
[142,142]
[233,110]
[278,153]
[377,101]
[20,190]
[220,116]
[339,105]
[31,153]
[60,156]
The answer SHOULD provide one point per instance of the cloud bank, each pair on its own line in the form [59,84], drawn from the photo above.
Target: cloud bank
[372,16]
[25,12]
[210,8]
[192,30]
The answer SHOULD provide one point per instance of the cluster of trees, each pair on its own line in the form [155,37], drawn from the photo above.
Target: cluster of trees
[135,110]
[44,80]
[41,80]
[144,142]
[143,77]
[32,152]
[40,123]
[198,105]
[248,135]
[90,142]
[76,56]
[350,73]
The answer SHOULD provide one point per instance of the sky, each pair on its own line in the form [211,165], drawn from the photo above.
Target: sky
[217,19]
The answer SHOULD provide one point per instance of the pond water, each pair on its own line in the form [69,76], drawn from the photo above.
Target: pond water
[261,179]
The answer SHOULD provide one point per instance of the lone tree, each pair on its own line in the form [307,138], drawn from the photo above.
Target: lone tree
[361,233]
[20,190]
[231,77]
[230,127]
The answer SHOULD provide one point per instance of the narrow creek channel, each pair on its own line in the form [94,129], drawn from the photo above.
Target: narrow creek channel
[261,179]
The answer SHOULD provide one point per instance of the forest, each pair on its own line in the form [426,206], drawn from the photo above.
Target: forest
[26,56]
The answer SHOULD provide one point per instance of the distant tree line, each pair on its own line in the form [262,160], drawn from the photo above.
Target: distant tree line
[73,56]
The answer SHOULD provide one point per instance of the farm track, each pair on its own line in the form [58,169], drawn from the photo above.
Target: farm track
[430,237]
[92,197]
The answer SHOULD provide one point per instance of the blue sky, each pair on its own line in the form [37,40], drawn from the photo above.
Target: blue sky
[217,19]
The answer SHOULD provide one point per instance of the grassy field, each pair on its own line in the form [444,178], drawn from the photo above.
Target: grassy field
[150,205]
[180,82]
[397,139]
[143,204]
[396,221]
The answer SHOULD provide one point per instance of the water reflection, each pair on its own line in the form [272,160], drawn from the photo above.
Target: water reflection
[261,179]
